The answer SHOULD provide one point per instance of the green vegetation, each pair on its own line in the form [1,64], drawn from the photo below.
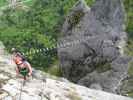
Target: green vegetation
[3,3]
[103,67]
[28,2]
[127,88]
[130,71]
[129,28]
[129,47]
[130,94]
[54,70]
[129,10]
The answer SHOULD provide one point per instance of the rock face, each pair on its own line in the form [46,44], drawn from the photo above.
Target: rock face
[42,87]
[93,41]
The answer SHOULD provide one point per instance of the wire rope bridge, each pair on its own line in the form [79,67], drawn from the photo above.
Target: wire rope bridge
[63,43]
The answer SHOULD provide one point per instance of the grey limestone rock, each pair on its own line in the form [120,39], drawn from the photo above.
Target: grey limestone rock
[99,31]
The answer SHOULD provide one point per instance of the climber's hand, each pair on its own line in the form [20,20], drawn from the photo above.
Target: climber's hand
[29,74]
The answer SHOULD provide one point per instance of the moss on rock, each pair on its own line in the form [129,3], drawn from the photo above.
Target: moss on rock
[75,18]
[130,71]
[104,67]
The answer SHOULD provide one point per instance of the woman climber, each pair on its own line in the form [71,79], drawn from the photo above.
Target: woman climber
[23,66]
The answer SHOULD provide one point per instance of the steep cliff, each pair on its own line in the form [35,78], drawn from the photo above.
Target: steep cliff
[97,58]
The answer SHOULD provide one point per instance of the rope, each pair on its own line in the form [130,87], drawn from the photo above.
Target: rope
[43,86]
[22,85]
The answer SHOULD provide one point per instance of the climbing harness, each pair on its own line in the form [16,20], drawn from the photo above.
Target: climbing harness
[24,72]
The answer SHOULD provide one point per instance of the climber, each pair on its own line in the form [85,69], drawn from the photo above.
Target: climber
[23,66]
